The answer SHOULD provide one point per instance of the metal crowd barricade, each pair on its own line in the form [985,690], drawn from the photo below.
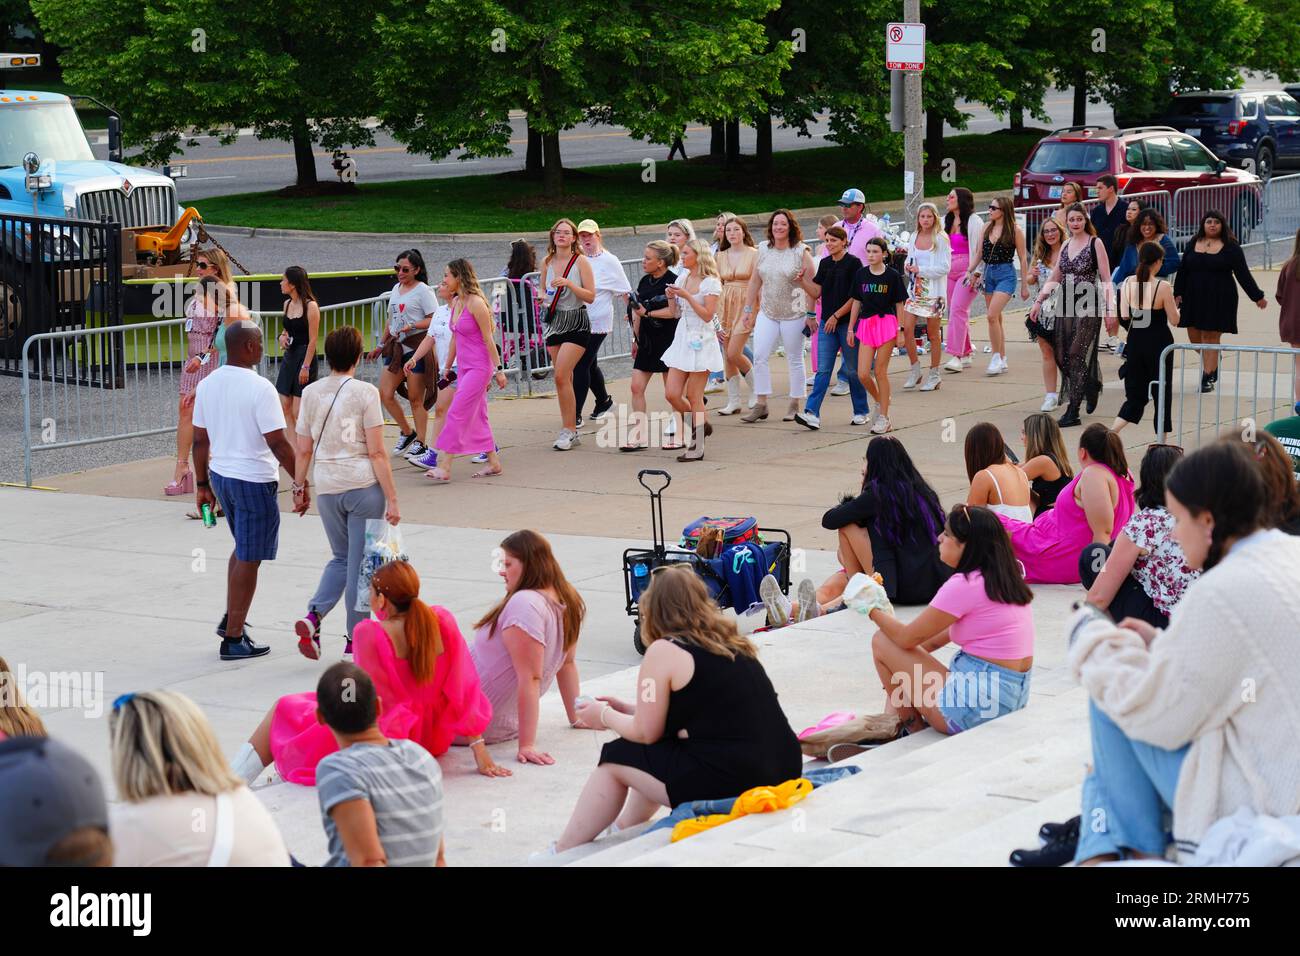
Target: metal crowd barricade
[1281,215]
[86,386]
[1035,216]
[1242,204]
[1255,386]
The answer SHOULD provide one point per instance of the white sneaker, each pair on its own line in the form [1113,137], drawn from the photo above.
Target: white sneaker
[567,440]
[777,604]
[988,349]
[860,419]
[997,365]
[954,364]
[967,361]
[808,420]
[932,381]
[913,376]
[881,426]
[839,388]
[1049,402]
[715,385]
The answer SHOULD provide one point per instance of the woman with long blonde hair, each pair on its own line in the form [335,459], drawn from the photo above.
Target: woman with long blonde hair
[569,286]
[1047,250]
[527,640]
[181,804]
[736,257]
[422,671]
[694,352]
[926,273]
[706,725]
[466,430]
[17,719]
[1047,463]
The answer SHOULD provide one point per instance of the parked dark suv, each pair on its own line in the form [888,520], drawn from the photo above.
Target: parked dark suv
[1255,130]
[1143,159]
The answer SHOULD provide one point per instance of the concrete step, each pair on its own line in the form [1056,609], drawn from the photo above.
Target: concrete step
[914,796]
[992,843]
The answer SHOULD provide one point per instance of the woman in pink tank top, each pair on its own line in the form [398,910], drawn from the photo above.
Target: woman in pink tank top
[1092,508]
[983,608]
[965,230]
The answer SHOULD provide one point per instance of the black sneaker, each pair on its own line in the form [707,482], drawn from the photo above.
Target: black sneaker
[602,409]
[221,628]
[1052,831]
[1207,382]
[1056,852]
[579,423]
[415,452]
[242,649]
[403,444]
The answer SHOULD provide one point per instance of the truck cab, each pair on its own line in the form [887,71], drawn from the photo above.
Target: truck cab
[80,186]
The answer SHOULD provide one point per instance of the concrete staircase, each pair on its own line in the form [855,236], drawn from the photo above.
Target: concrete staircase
[923,800]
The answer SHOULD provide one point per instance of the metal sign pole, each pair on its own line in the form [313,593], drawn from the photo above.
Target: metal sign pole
[913,160]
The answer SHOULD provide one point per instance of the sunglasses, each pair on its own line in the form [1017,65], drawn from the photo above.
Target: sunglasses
[403,269]
[203,265]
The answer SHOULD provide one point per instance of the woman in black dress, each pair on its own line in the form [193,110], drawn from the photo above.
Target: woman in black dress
[298,366]
[892,527]
[707,724]
[654,323]
[1206,292]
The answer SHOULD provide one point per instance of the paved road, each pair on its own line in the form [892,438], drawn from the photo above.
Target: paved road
[251,165]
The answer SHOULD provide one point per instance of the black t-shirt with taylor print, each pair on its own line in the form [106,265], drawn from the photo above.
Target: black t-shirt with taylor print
[879,294]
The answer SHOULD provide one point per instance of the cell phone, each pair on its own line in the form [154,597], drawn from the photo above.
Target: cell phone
[445,382]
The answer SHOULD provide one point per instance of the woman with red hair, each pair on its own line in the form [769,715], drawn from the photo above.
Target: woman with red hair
[428,688]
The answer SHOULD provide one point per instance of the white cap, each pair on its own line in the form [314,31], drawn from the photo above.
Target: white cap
[851,196]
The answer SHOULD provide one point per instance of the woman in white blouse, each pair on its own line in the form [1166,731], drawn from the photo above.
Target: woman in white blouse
[695,351]
[926,271]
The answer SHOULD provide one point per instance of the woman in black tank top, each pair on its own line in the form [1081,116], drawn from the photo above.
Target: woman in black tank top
[707,724]
[1147,309]
[298,367]
[1047,463]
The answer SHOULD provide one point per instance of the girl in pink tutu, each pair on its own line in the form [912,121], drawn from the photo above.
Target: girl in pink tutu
[473,351]
[874,320]
[428,688]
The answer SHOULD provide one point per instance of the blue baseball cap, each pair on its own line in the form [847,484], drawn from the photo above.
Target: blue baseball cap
[851,196]
[48,790]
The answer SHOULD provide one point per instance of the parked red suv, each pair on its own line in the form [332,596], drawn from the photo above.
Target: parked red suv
[1142,159]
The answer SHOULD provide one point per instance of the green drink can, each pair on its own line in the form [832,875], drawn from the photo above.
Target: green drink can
[209,519]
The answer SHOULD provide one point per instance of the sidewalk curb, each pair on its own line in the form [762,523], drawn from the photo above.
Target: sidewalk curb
[807,217]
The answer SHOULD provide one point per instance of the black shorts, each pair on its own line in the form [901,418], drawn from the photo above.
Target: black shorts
[286,381]
[575,337]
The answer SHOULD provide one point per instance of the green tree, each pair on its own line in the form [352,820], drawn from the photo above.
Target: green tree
[173,68]
[14,14]
[448,74]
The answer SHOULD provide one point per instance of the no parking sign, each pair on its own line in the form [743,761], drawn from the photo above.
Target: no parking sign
[905,46]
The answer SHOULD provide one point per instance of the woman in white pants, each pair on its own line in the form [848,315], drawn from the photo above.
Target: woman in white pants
[781,310]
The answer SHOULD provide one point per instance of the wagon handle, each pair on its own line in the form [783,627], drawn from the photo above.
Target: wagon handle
[640,477]
[656,504]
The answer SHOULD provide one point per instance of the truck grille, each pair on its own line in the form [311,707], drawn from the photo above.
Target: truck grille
[145,206]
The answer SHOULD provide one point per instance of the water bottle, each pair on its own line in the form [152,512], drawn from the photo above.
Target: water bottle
[640,572]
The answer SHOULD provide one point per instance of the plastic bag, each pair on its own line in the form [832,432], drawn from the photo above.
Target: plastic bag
[383,544]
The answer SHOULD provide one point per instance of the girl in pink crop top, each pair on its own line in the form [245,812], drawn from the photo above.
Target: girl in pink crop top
[984,608]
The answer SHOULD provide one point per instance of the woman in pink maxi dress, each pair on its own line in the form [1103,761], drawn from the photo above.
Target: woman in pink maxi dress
[466,430]
[1049,548]
[450,705]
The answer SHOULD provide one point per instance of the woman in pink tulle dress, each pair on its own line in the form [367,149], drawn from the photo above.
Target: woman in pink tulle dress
[466,430]
[1094,507]
[428,688]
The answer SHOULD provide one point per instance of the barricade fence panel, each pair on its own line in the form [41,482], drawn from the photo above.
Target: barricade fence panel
[1281,216]
[85,386]
[1240,204]
[1255,385]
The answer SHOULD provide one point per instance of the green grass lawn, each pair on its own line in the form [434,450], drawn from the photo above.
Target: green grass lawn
[616,195]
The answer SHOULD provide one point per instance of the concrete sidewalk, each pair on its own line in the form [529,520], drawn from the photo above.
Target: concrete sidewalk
[122,593]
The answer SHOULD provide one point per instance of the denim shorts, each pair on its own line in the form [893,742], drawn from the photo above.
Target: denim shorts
[253,514]
[976,691]
[1000,277]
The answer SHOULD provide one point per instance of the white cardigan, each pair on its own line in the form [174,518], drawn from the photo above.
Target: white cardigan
[933,263]
[1224,677]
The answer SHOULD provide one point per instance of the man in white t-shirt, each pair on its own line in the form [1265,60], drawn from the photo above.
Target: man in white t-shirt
[239,444]
[612,287]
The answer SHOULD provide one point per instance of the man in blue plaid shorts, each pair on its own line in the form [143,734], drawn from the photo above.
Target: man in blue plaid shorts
[239,446]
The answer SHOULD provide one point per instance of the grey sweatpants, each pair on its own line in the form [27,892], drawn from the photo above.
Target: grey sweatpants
[344,517]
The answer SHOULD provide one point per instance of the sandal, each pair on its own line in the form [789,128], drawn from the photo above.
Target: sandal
[438,479]
[486,473]
[180,486]
[632,447]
